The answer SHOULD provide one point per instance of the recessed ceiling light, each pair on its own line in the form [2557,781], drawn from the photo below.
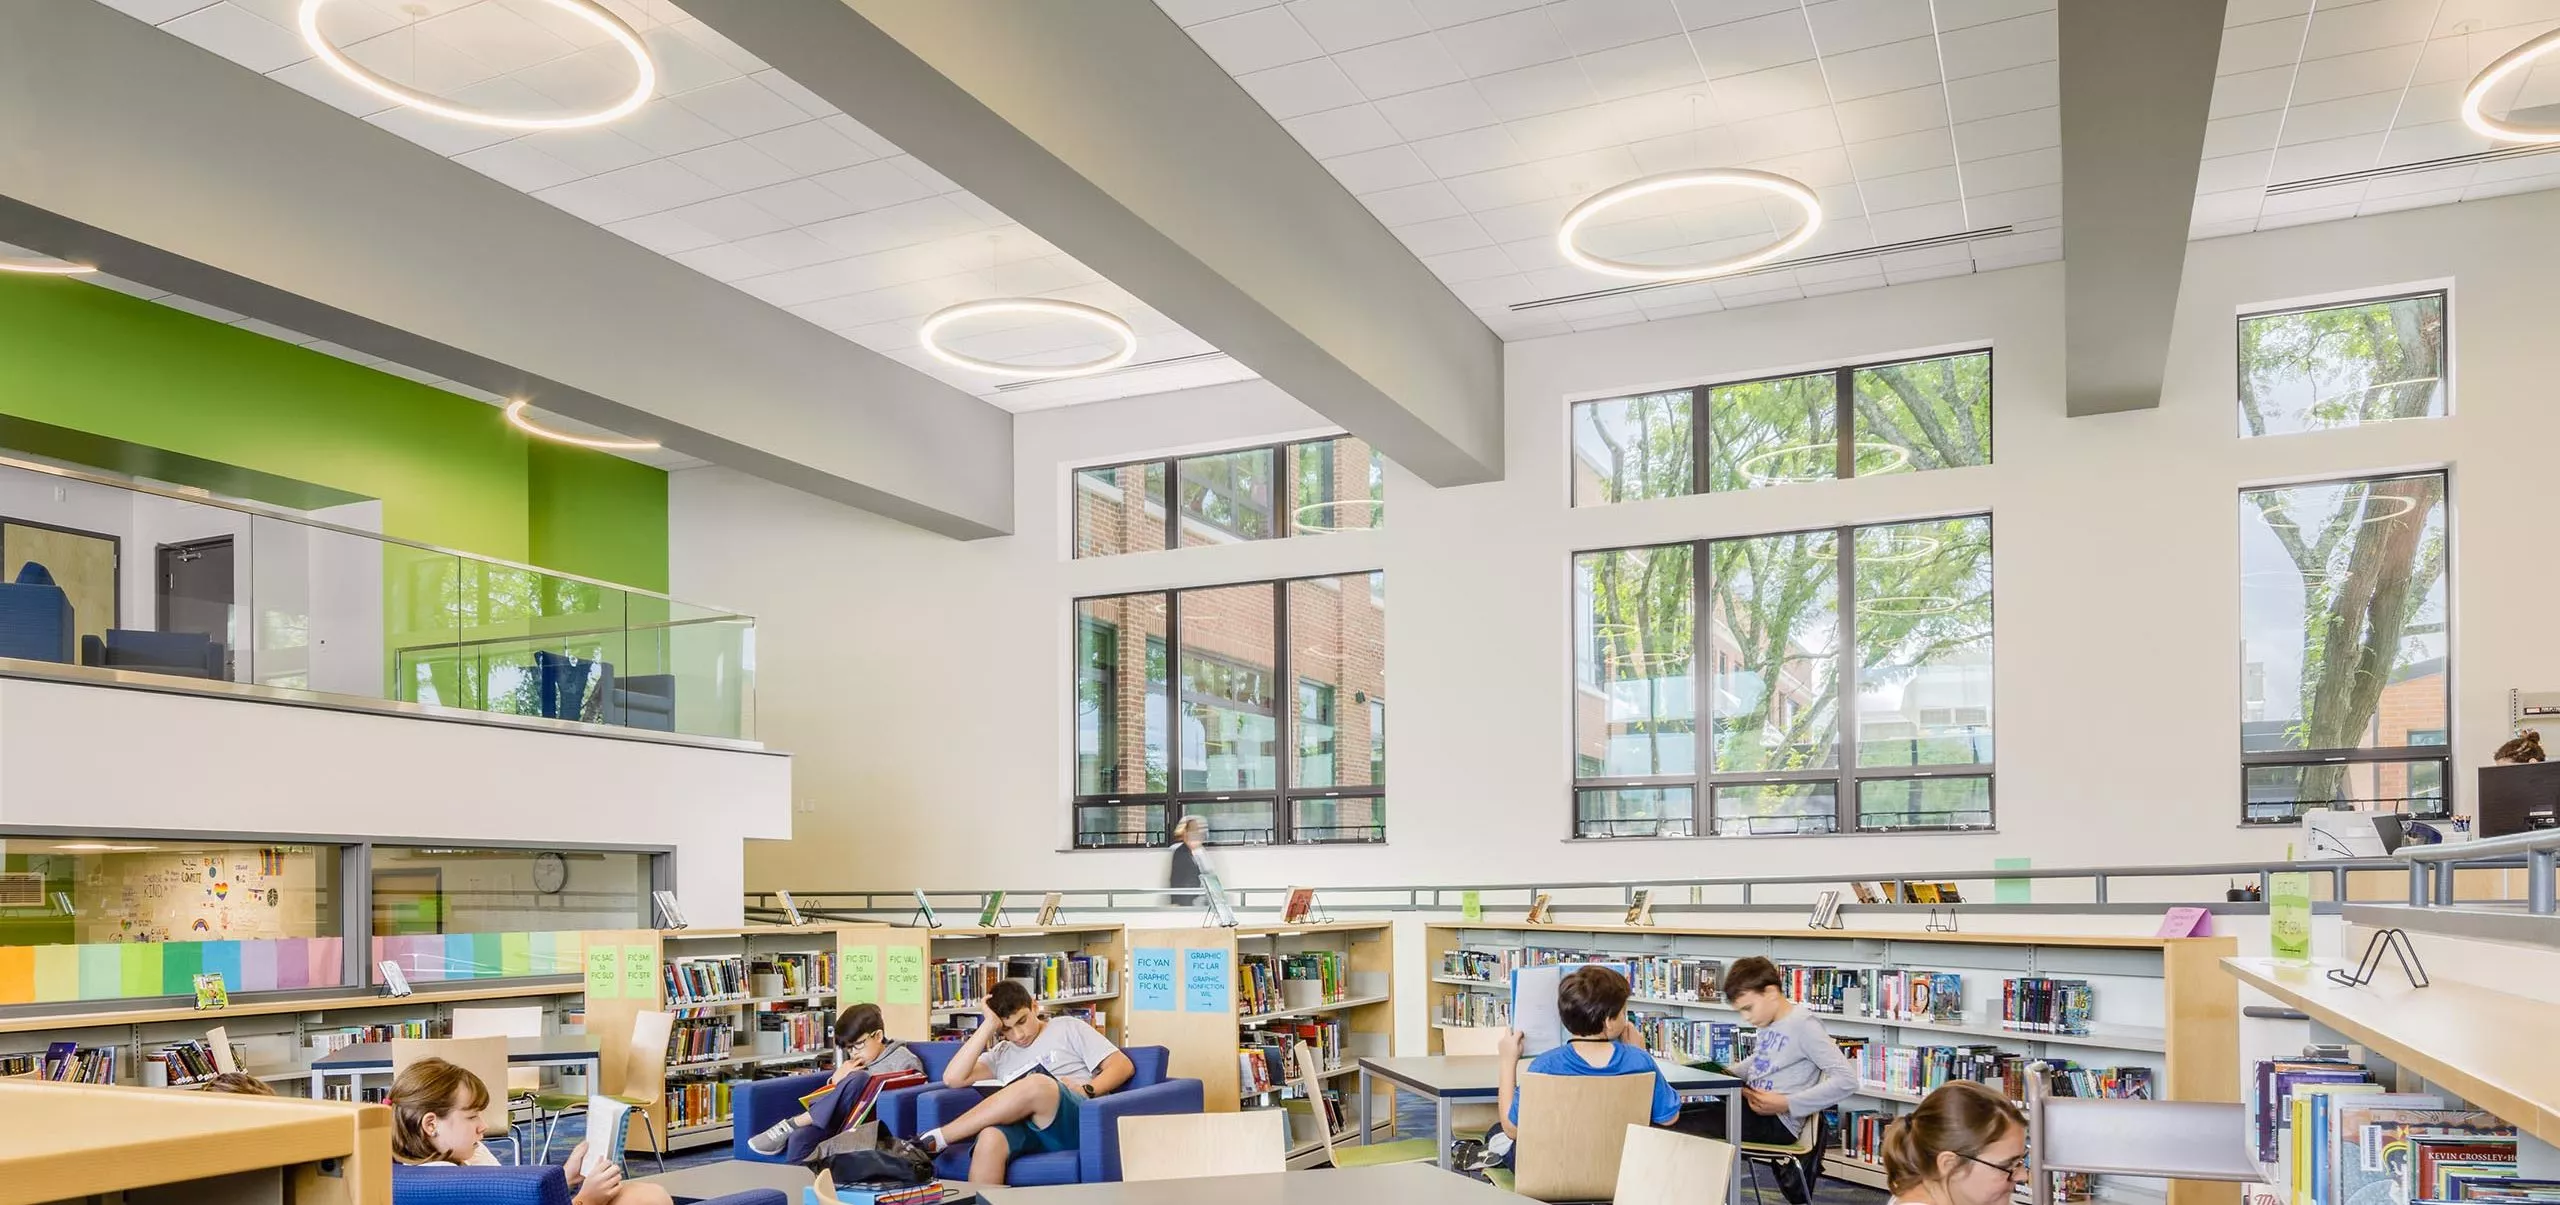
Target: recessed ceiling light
[43,266]
[590,11]
[2508,64]
[1044,306]
[1714,177]
[516,408]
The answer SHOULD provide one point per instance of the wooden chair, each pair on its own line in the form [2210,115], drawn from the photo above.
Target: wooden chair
[644,1083]
[1799,1152]
[1349,1154]
[1573,1129]
[485,1057]
[1666,1167]
[523,1088]
[1191,1145]
[1464,1041]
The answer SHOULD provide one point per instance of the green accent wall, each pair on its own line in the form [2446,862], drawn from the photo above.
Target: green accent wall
[449,470]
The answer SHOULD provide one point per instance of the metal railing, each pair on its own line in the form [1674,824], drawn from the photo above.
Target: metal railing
[2432,867]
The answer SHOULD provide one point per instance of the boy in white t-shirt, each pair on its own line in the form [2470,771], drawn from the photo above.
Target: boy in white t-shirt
[1047,1065]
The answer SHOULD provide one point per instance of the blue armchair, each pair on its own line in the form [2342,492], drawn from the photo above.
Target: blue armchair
[897,1109]
[1096,1158]
[178,654]
[544,1185]
[35,617]
[754,1106]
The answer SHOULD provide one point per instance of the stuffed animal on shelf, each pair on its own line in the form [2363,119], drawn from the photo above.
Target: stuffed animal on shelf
[2527,747]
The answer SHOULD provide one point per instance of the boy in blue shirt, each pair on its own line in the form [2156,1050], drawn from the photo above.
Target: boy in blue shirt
[1592,1003]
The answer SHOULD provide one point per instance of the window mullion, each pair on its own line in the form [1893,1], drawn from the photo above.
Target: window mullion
[1172,505]
[1701,686]
[1843,423]
[1844,553]
[1284,702]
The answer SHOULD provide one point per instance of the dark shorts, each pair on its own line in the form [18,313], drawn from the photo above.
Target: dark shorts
[1061,1134]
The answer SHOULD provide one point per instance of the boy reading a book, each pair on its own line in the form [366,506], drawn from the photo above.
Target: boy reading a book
[1592,1004]
[1045,1067]
[862,1044]
[1793,1073]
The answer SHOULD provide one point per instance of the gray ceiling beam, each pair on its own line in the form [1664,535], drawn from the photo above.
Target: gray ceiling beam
[1102,127]
[2137,84]
[126,147]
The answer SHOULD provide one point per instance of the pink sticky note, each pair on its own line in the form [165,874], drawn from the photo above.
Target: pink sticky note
[328,961]
[293,962]
[2186,922]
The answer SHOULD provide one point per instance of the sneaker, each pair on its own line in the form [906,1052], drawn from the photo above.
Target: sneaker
[930,1142]
[1791,1183]
[1467,1155]
[774,1138]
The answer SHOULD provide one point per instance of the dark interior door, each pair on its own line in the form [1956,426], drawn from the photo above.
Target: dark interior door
[195,588]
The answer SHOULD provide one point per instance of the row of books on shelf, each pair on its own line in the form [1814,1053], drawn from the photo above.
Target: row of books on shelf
[2029,1004]
[1495,966]
[189,1062]
[782,1032]
[2334,1133]
[1262,980]
[66,1061]
[793,974]
[697,1103]
[1919,1070]
[707,979]
[955,1025]
[965,982]
[701,1041]
[1877,993]
[1686,1040]
[332,1041]
[1263,1054]
[2038,1005]
[1473,1009]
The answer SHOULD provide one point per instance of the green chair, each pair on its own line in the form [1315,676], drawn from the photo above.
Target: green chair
[644,1084]
[1350,1154]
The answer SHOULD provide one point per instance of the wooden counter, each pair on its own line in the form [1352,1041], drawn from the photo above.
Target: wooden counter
[67,1141]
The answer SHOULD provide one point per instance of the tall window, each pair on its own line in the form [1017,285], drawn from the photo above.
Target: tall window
[2343,365]
[1276,726]
[1846,674]
[1310,488]
[2343,636]
[1857,421]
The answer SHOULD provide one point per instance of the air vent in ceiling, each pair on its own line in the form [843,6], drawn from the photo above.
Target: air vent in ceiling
[2410,169]
[1197,357]
[1783,265]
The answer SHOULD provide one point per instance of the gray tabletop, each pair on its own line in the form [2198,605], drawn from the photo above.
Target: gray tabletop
[558,1048]
[741,1175]
[1468,1077]
[1393,1184]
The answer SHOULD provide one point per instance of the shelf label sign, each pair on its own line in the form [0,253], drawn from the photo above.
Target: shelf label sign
[604,972]
[1204,982]
[639,973]
[860,981]
[2289,915]
[1151,979]
[905,975]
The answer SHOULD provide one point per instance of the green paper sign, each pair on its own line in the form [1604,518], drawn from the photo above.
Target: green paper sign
[860,980]
[604,972]
[1471,905]
[2289,915]
[2012,891]
[905,976]
[639,973]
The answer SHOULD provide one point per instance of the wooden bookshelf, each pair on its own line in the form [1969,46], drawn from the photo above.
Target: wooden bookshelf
[1108,944]
[71,1141]
[2160,1003]
[627,975]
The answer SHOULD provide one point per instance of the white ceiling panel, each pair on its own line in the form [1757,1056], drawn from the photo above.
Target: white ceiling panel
[745,176]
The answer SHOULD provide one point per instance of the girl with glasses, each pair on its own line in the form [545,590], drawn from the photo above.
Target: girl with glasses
[1964,1145]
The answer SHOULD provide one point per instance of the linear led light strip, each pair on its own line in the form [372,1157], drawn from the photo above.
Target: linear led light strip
[590,11]
[2449,162]
[1784,265]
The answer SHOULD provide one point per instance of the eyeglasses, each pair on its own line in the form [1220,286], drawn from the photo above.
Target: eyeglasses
[2012,1168]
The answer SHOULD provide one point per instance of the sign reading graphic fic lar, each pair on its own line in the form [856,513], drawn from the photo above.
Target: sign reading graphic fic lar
[1151,979]
[1204,982]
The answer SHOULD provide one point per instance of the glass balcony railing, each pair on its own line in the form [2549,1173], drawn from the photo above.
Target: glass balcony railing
[142,578]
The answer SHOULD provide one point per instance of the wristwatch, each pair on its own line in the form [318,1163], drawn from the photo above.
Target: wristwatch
[1086,1088]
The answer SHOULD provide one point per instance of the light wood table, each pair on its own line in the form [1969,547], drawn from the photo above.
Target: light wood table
[741,1175]
[1449,1080]
[1392,1184]
[355,1061]
[68,1141]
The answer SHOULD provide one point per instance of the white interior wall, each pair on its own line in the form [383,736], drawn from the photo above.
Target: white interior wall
[922,681]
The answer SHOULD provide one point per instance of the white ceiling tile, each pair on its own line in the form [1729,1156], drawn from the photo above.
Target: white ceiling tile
[1342,131]
[318,80]
[437,134]
[153,12]
[1446,234]
[2001,45]
[1785,134]
[862,136]
[1689,149]
[2277,221]
[1893,114]
[1930,186]
[2432,103]
[1889,68]
[1441,14]
[1405,65]
[1590,25]
[1925,257]
[1604,321]
[664,233]
[924,174]
[1840,26]
[1436,111]
[1309,87]
[1340,25]
[1469,152]
[814,283]
[2313,198]
[1757,44]
[896,226]
[1643,67]
[729,219]
[1581,175]
[2440,180]
[662,127]
[2434,140]
[742,107]
[1706,14]
[1255,41]
[2310,160]
[2502,188]
[424,63]
[1193,12]
[791,90]
[1756,290]
[684,64]
[2383,70]
[238,35]
[2367,114]
[2233,172]
[810,147]
[2015,207]
[1534,254]
[2354,28]
[2010,134]
[2017,250]
[1964,14]
[2250,12]
[875,185]
[1504,43]
[593,150]
[1492,291]
[712,40]
[1574,132]
[724,262]
[1417,203]
[1814,169]
[1777,90]
[735,166]
[590,79]
[1475,263]
[2001,173]
[786,249]
[1906,276]
[2034,86]
[1533,219]
[496,36]
[1903,153]
[2260,46]
[519,165]
[2251,91]
[802,202]
[1546,88]
[629,193]
[2415,200]
[1852,285]
[1373,171]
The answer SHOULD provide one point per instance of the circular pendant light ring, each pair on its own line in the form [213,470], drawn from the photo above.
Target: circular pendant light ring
[1044,306]
[590,11]
[516,408]
[1714,177]
[2508,64]
[43,266]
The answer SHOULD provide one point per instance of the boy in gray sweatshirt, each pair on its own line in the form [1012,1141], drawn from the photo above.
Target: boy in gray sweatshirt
[1793,1073]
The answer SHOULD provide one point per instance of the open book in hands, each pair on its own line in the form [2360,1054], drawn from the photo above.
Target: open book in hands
[608,1128]
[1019,1072]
